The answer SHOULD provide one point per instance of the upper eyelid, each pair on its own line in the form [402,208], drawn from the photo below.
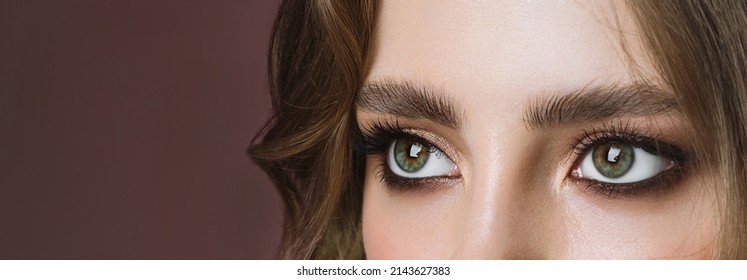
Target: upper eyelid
[428,132]
[662,148]
[623,130]
[429,144]
[437,141]
[588,141]
[641,135]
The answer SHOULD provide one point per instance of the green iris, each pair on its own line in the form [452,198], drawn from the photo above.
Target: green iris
[410,155]
[613,159]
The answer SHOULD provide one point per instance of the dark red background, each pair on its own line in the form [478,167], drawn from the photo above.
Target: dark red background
[124,126]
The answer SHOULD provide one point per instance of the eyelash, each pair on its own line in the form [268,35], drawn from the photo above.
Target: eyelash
[624,132]
[376,139]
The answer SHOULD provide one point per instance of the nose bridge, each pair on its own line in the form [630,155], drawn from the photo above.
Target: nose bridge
[506,214]
[487,223]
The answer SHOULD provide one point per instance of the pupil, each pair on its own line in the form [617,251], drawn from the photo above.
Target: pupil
[415,150]
[613,155]
[613,159]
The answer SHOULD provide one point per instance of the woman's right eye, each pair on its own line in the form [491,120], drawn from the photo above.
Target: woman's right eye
[410,158]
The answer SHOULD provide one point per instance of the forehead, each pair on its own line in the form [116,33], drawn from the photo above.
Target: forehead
[504,46]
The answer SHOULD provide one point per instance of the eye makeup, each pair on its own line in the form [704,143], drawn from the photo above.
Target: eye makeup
[624,133]
[375,141]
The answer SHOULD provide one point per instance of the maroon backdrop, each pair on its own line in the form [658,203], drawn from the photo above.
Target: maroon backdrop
[124,126]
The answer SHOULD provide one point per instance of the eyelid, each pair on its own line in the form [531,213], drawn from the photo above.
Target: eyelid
[399,183]
[649,144]
[432,138]
[660,182]
[445,138]
[635,132]
[408,185]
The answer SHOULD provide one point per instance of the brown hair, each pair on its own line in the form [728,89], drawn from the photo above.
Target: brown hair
[700,50]
[319,56]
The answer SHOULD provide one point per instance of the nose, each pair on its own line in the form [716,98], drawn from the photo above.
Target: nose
[510,213]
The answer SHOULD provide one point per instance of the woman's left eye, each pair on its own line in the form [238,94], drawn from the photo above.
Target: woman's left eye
[410,158]
[619,163]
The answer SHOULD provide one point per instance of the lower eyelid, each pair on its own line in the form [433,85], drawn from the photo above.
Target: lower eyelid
[662,183]
[402,184]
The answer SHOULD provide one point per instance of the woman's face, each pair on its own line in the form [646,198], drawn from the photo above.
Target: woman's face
[525,129]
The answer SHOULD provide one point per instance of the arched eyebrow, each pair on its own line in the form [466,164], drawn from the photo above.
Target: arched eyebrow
[406,99]
[597,103]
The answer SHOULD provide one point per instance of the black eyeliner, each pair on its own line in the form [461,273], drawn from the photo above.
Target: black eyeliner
[658,184]
[626,134]
[375,140]
[399,183]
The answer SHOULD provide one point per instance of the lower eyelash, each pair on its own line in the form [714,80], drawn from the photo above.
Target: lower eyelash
[398,183]
[661,183]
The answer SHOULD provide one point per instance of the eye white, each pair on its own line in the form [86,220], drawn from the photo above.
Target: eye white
[437,164]
[645,165]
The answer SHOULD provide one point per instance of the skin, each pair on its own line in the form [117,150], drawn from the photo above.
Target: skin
[515,197]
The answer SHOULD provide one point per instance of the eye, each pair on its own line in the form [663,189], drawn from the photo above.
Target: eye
[409,158]
[620,163]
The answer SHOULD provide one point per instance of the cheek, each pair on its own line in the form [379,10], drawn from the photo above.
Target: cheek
[413,225]
[681,227]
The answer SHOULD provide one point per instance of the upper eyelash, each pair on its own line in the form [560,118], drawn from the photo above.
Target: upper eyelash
[607,132]
[376,139]
[625,133]
[378,136]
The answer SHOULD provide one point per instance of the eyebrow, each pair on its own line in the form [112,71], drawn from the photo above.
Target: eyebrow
[593,103]
[597,103]
[410,100]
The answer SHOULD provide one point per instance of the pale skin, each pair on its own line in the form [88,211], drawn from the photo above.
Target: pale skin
[513,192]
